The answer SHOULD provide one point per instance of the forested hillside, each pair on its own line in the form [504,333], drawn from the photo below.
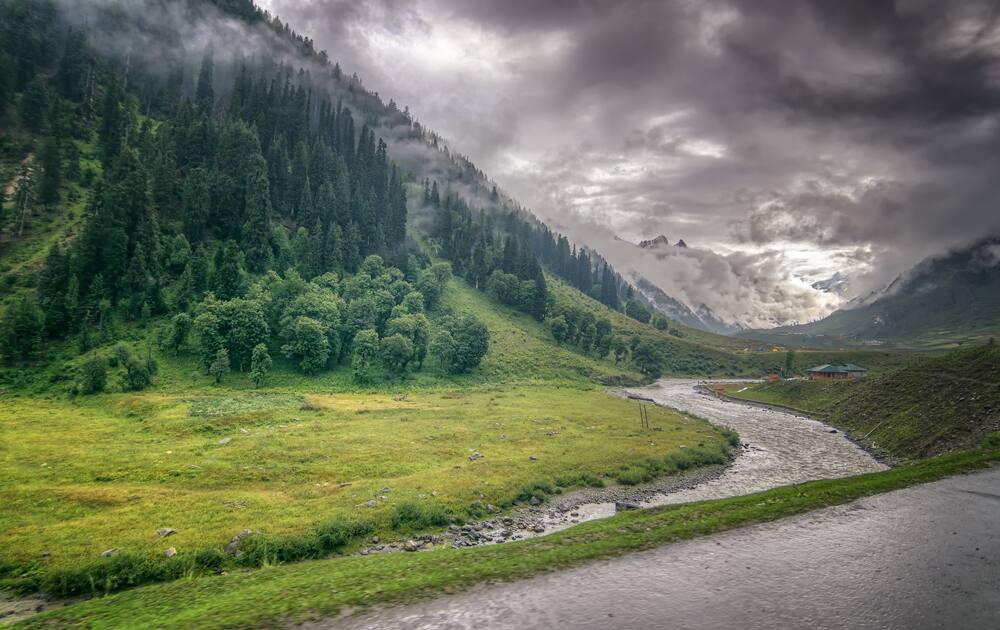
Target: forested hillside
[245,206]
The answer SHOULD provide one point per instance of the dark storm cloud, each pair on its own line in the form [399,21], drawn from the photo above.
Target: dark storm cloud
[856,133]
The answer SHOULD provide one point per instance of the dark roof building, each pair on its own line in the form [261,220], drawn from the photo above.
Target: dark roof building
[836,371]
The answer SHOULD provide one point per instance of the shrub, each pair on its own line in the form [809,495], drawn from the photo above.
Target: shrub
[93,375]
[732,437]
[415,515]
[633,476]
[579,479]
[539,490]
[476,510]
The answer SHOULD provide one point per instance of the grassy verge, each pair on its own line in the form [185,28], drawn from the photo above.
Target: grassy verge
[313,590]
[935,405]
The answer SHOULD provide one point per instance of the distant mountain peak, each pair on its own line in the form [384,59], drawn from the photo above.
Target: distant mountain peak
[836,283]
[661,241]
[656,242]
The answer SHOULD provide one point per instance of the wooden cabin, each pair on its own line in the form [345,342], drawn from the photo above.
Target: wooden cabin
[836,372]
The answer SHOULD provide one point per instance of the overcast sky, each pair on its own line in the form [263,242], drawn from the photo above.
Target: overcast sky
[784,141]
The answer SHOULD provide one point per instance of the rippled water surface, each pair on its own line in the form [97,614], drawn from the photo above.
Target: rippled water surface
[784,448]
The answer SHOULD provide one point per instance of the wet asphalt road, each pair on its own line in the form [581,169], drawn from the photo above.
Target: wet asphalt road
[922,557]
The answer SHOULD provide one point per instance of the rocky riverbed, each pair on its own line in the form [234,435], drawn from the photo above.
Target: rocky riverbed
[559,513]
[778,448]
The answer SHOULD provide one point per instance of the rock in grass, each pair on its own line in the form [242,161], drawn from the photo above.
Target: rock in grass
[225,440]
[171,552]
[413,545]
[233,548]
[109,553]
[163,532]
[475,456]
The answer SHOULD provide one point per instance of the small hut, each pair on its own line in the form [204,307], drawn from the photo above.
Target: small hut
[836,372]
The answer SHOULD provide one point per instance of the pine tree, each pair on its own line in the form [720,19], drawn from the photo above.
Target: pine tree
[196,204]
[205,92]
[20,330]
[227,280]
[257,229]
[33,106]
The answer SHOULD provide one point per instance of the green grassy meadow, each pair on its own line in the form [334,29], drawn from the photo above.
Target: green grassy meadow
[284,595]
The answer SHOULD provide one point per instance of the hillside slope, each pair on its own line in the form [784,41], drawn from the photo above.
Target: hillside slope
[936,405]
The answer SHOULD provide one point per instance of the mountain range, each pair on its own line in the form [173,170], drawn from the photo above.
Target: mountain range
[941,302]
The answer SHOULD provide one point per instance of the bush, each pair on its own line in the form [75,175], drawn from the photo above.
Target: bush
[476,510]
[93,375]
[579,479]
[414,515]
[539,490]
[130,569]
[732,437]
[633,476]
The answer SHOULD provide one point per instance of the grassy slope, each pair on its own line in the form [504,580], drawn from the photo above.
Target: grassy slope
[314,590]
[106,471]
[23,256]
[939,404]
[698,353]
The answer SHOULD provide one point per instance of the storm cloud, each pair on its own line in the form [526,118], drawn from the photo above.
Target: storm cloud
[785,141]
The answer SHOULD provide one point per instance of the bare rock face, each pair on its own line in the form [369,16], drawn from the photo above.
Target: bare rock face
[660,240]
[233,548]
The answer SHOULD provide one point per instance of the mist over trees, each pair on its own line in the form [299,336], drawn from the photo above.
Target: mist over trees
[251,206]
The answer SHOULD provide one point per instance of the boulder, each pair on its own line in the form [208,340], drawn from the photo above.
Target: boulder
[233,548]
[535,501]
[171,552]
[163,532]
[413,545]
